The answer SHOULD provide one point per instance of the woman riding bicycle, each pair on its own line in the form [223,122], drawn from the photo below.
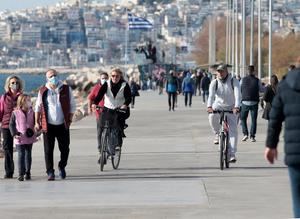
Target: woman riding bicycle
[117,95]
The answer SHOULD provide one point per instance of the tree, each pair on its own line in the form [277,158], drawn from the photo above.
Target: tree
[285,50]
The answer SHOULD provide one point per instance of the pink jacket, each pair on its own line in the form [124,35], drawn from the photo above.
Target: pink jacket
[20,121]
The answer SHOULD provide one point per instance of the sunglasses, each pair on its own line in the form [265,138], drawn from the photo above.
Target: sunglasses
[52,76]
[115,76]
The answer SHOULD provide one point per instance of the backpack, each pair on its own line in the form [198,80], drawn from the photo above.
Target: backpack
[216,87]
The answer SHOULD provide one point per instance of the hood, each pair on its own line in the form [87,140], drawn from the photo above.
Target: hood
[293,79]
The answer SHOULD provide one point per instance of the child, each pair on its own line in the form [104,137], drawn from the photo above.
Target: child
[21,126]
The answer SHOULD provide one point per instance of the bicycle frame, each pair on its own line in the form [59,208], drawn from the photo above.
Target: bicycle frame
[223,138]
[107,149]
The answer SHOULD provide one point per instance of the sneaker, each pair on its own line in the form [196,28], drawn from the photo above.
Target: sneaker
[27,176]
[123,134]
[232,159]
[216,140]
[245,138]
[21,178]
[253,139]
[62,173]
[8,176]
[51,176]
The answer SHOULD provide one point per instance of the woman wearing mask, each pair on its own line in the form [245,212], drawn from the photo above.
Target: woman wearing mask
[13,88]
[269,94]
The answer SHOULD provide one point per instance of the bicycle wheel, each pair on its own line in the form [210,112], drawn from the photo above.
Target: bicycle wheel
[103,149]
[115,160]
[222,146]
[226,151]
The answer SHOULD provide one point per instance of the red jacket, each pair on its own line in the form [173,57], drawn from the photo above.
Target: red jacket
[7,105]
[64,99]
[92,97]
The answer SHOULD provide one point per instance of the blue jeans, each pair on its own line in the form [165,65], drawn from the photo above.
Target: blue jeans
[244,115]
[205,95]
[24,158]
[188,96]
[294,172]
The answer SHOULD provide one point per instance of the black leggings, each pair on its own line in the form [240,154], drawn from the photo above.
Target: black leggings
[173,95]
[8,152]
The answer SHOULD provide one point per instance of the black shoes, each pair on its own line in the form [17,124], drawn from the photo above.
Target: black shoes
[51,176]
[27,176]
[8,176]
[62,173]
[21,178]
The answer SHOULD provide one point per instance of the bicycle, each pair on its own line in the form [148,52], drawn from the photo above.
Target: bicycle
[224,138]
[111,139]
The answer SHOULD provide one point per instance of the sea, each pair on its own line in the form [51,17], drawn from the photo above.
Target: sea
[31,81]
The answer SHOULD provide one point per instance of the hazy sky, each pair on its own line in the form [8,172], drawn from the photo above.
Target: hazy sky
[22,4]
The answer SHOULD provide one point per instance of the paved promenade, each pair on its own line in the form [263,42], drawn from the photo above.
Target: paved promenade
[169,169]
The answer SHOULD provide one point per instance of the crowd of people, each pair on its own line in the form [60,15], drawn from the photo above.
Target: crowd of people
[242,96]
[52,115]
[22,123]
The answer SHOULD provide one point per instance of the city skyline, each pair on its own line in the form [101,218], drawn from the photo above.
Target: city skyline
[14,5]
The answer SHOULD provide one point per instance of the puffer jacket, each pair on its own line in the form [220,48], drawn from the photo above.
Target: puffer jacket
[285,108]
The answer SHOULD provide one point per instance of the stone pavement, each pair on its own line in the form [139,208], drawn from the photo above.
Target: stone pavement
[169,169]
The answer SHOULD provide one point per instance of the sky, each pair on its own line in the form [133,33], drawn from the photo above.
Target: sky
[14,5]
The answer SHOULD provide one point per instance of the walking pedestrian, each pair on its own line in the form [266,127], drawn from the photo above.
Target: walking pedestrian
[21,127]
[54,109]
[285,108]
[172,88]
[250,88]
[268,97]
[199,76]
[134,87]
[188,86]
[204,86]
[13,89]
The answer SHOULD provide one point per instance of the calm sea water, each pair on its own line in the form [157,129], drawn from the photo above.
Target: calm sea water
[32,81]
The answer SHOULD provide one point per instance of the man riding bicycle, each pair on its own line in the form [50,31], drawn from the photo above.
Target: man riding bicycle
[224,94]
[117,95]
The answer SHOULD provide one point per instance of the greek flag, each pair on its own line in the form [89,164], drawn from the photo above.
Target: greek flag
[138,23]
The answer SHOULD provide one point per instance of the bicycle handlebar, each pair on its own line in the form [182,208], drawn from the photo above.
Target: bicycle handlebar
[222,111]
[117,109]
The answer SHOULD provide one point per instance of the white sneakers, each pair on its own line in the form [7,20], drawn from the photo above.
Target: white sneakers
[232,159]
[216,140]
[245,138]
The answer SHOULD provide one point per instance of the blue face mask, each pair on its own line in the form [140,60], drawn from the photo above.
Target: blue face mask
[53,80]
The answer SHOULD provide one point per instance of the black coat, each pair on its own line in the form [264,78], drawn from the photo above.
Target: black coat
[134,87]
[268,98]
[286,108]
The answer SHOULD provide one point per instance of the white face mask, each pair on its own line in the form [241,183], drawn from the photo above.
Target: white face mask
[102,81]
[14,87]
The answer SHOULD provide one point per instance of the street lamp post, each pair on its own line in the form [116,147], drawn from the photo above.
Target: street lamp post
[259,39]
[270,39]
[251,32]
